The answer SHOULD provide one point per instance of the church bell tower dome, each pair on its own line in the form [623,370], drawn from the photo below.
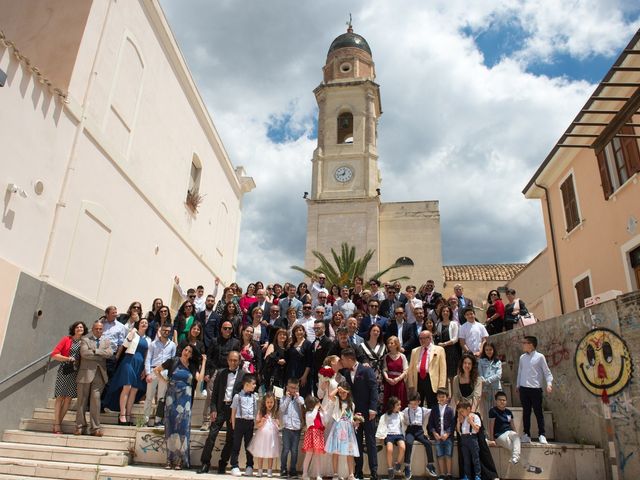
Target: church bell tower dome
[349,58]
[349,40]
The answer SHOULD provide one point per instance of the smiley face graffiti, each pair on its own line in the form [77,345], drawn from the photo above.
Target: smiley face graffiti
[603,363]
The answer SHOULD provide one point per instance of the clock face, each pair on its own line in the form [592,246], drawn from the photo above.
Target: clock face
[343,174]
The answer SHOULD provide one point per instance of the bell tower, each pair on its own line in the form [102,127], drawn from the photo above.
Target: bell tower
[344,203]
[345,162]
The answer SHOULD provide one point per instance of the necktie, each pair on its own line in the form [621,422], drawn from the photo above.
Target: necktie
[423,364]
[97,343]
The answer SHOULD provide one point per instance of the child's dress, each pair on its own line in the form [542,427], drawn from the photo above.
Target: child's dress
[314,436]
[342,437]
[266,440]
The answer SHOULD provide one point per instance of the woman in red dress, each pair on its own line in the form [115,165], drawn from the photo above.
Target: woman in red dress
[394,371]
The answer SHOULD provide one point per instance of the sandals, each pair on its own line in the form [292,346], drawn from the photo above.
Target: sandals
[56,429]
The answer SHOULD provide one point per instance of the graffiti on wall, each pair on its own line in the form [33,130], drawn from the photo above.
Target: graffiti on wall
[603,363]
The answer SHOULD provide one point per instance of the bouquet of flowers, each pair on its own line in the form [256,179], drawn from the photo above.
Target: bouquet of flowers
[326,372]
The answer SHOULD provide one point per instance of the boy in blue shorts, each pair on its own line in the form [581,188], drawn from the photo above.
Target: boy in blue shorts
[441,425]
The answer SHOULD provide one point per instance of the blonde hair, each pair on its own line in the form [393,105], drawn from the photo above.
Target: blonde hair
[329,360]
[395,340]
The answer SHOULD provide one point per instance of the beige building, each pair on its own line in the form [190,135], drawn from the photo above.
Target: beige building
[104,137]
[590,193]
[344,205]
[478,280]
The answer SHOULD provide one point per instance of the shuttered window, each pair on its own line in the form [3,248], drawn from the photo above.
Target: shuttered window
[583,290]
[618,161]
[571,215]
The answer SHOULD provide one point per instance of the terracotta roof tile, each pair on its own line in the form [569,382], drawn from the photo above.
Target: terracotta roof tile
[490,271]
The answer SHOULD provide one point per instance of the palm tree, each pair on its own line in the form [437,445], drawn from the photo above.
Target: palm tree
[346,268]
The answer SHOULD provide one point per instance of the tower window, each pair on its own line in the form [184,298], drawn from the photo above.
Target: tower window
[345,67]
[404,261]
[345,128]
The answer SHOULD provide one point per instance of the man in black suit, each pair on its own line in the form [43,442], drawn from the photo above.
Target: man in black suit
[364,389]
[343,343]
[390,302]
[208,321]
[430,296]
[274,322]
[373,317]
[261,295]
[321,346]
[398,327]
[227,383]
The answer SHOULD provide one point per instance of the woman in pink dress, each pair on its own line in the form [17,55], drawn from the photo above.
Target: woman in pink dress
[394,371]
[246,301]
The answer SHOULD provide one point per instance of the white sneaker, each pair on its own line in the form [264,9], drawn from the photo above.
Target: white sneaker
[236,472]
[542,439]
[514,460]
[525,438]
[248,472]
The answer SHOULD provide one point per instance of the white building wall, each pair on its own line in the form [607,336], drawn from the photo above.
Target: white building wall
[129,132]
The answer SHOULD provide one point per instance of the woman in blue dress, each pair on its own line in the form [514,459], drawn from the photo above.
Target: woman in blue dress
[129,378]
[177,407]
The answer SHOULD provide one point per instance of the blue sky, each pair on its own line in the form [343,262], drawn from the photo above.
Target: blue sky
[474,96]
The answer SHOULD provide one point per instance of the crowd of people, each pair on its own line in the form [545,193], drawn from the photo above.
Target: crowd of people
[335,366]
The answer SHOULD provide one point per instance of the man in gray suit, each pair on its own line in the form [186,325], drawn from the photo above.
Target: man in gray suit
[92,377]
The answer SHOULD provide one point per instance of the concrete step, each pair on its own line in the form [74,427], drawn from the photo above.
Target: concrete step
[41,425]
[157,473]
[8,476]
[26,468]
[63,454]
[75,441]
[110,418]
[548,423]
[138,408]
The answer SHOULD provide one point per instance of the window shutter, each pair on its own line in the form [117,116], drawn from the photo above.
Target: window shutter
[583,291]
[630,151]
[604,175]
[570,203]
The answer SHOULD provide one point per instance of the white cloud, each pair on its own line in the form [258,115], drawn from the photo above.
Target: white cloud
[452,129]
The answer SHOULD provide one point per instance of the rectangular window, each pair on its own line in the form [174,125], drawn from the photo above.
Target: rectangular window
[619,160]
[571,215]
[583,290]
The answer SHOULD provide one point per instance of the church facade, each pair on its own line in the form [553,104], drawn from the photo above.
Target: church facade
[345,204]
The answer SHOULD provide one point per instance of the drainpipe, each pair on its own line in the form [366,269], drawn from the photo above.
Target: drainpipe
[553,245]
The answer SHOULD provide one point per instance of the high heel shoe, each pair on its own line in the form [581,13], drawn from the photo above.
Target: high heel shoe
[122,422]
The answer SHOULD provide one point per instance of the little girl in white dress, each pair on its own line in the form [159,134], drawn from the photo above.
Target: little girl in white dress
[342,437]
[266,440]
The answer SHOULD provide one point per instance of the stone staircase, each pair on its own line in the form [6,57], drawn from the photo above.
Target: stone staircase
[32,451]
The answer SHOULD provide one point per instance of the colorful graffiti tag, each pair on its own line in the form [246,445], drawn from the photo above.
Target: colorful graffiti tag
[603,363]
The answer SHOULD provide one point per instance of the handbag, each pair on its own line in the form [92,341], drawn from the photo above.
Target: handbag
[68,368]
[523,320]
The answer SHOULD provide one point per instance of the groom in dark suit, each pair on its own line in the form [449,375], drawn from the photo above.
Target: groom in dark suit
[364,389]
[227,383]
